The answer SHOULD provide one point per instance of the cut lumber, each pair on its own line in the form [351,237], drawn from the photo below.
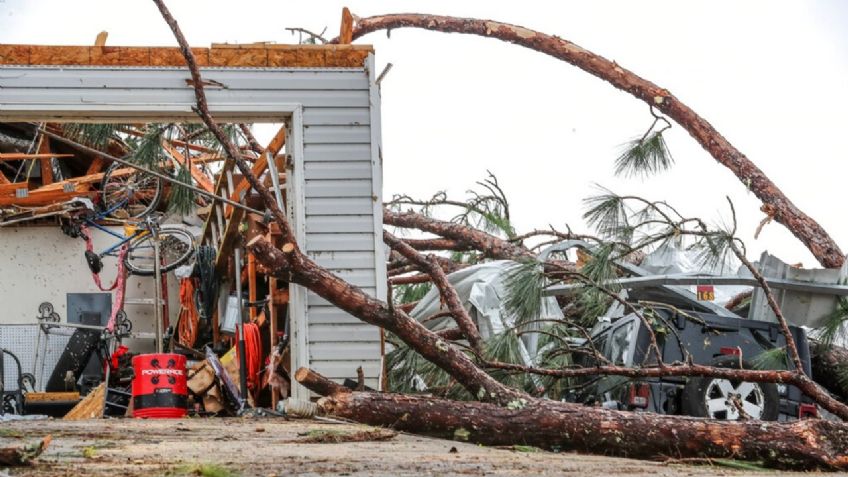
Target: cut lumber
[43,198]
[91,407]
[52,397]
[86,180]
[805,444]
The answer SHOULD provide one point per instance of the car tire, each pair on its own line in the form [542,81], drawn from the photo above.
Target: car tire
[708,397]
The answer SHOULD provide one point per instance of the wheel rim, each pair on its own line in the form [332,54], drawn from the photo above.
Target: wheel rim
[721,394]
[174,246]
[138,192]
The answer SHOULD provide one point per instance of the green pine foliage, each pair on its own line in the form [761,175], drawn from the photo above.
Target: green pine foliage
[523,287]
[644,156]
[182,199]
[96,135]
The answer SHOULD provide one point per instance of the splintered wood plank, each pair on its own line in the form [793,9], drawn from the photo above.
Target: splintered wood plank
[93,169]
[81,182]
[41,198]
[46,161]
[238,57]
[101,38]
[196,174]
[120,56]
[60,55]
[91,407]
[346,29]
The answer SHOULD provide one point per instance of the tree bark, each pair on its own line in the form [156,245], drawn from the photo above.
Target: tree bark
[295,267]
[489,245]
[432,268]
[806,444]
[775,202]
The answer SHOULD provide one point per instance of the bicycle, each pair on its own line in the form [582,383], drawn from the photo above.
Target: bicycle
[130,197]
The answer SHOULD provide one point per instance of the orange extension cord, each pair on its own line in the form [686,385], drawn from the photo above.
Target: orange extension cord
[189,318]
[253,354]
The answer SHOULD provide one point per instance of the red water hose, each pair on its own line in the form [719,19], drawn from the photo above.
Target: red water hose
[253,354]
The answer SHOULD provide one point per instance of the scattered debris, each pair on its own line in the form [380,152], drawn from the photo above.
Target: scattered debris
[23,455]
[329,436]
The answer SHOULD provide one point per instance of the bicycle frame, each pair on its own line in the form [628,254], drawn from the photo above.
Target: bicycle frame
[123,239]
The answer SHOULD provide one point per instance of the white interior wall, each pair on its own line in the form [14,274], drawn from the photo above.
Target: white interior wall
[40,263]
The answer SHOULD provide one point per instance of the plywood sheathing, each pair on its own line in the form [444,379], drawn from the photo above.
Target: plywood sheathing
[254,55]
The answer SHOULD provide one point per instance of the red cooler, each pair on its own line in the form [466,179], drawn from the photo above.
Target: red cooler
[159,386]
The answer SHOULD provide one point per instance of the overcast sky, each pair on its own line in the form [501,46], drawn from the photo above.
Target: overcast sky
[772,76]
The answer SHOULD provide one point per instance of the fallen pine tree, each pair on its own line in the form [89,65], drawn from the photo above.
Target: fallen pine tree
[508,415]
[805,444]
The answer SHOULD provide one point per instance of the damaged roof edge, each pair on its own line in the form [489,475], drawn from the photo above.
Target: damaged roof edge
[253,55]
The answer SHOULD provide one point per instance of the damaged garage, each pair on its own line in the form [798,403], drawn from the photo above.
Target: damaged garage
[96,142]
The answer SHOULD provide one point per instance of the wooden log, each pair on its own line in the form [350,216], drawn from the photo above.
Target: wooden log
[319,384]
[805,444]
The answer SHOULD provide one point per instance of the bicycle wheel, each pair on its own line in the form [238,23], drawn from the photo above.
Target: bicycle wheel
[176,246]
[129,195]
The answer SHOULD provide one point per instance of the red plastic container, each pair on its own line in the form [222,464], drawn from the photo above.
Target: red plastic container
[159,387]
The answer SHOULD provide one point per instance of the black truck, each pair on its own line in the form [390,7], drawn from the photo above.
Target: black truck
[710,340]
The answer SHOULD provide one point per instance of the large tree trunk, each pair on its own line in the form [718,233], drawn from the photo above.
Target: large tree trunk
[549,424]
[775,203]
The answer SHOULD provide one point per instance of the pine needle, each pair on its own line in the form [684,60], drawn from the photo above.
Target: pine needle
[775,358]
[96,135]
[608,214]
[833,327]
[182,199]
[506,348]
[410,293]
[148,151]
[523,287]
[644,156]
